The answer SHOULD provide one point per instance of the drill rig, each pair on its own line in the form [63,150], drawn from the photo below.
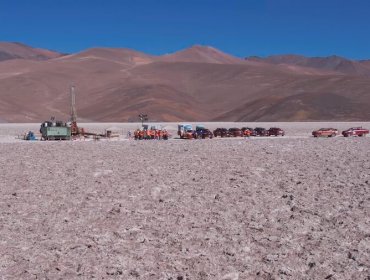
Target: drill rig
[75,130]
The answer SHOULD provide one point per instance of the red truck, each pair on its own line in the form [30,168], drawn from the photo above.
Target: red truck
[355,131]
[325,132]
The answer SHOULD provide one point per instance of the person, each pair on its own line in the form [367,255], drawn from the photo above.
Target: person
[165,134]
[247,133]
[129,134]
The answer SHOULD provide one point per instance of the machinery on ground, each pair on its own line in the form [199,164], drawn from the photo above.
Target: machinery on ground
[55,130]
[29,136]
[58,130]
[75,130]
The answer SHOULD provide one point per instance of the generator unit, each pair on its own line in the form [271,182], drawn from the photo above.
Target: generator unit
[55,131]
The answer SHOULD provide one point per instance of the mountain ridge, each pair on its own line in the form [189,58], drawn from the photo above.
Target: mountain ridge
[331,63]
[16,50]
[199,83]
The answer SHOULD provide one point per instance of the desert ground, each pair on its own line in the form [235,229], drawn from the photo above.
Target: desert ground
[293,207]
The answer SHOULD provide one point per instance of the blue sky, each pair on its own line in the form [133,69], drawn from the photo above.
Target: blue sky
[239,27]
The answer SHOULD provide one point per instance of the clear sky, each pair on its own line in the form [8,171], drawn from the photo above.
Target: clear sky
[239,27]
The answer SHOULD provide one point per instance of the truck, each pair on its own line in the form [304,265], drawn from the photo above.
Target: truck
[185,131]
[325,132]
[355,131]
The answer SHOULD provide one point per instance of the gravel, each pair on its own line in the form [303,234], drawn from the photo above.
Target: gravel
[275,208]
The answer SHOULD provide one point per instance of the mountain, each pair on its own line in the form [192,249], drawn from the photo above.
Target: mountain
[202,54]
[300,107]
[331,63]
[20,51]
[196,84]
[365,63]
[116,55]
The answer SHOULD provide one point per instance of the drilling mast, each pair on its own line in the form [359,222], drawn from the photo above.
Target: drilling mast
[73,105]
[74,127]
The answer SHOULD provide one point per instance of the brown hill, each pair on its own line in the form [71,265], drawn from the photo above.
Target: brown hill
[117,55]
[20,51]
[330,63]
[300,107]
[118,84]
[201,54]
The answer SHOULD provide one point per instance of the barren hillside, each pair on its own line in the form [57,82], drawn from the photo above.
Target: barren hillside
[21,51]
[331,63]
[200,83]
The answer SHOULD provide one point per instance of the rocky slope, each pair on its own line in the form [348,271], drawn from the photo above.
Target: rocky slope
[199,83]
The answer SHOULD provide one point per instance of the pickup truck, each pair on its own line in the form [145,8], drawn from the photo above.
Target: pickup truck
[325,132]
[355,131]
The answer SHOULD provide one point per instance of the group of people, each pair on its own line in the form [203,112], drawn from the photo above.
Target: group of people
[150,134]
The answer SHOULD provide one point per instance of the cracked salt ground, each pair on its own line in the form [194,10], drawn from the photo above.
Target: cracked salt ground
[185,210]
[101,173]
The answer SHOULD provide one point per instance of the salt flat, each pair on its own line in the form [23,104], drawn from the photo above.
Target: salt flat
[260,208]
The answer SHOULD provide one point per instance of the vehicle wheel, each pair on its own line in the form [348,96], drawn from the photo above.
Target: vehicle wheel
[315,136]
[360,135]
